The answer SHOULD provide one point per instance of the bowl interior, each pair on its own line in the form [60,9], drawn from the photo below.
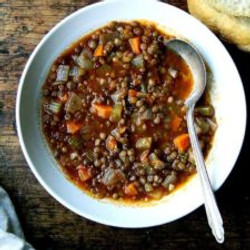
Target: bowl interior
[225,87]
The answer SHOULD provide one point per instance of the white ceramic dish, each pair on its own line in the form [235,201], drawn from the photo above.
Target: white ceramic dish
[227,96]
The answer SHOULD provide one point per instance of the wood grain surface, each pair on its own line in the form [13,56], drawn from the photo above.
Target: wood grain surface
[46,223]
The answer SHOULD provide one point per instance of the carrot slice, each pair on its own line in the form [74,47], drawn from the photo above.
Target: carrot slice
[103,111]
[131,189]
[176,122]
[135,44]
[182,142]
[99,50]
[83,173]
[72,127]
[132,93]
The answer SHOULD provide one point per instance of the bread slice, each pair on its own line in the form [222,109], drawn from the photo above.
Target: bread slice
[235,29]
[240,8]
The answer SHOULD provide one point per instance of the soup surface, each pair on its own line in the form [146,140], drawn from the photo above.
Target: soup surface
[114,117]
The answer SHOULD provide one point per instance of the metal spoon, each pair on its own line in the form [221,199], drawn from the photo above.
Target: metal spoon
[197,67]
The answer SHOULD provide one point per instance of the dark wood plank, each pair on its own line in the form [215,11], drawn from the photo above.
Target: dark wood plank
[46,223]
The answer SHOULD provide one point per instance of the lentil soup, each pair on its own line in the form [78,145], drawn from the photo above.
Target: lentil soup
[114,117]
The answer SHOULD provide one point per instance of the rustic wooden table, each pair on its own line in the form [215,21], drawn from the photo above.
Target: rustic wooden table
[46,223]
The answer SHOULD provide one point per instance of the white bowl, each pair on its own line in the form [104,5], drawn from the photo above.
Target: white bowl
[227,96]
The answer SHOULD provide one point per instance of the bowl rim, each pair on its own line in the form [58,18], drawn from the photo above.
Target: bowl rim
[20,133]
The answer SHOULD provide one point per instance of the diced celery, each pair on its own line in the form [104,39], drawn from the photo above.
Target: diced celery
[205,110]
[144,88]
[75,142]
[144,143]
[54,107]
[117,112]
[89,155]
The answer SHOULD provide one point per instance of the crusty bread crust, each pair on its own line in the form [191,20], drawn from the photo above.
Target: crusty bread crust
[233,29]
[240,8]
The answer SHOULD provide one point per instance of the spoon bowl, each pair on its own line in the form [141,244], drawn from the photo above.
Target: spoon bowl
[196,65]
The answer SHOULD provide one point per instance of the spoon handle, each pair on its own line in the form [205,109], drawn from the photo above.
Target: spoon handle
[213,214]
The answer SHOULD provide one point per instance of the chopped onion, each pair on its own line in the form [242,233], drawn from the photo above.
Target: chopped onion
[212,124]
[87,52]
[73,104]
[197,128]
[138,61]
[203,124]
[84,62]
[156,162]
[112,176]
[144,156]
[62,73]
[147,115]
[115,133]
[173,72]
[73,156]
[118,95]
[77,71]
